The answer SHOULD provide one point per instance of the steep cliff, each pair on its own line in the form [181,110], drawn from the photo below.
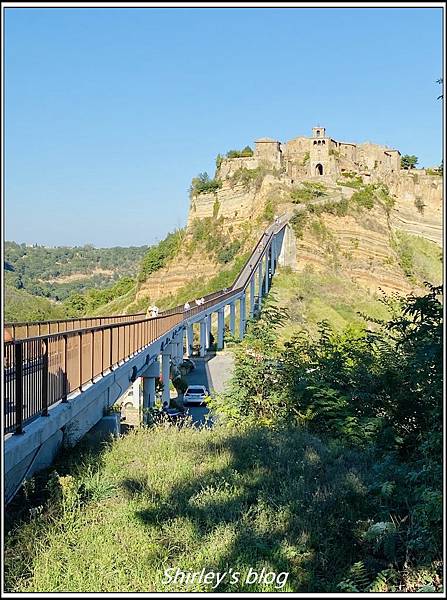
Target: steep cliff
[391,245]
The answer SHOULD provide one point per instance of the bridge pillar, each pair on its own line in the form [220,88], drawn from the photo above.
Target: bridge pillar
[208,331]
[189,339]
[242,316]
[202,337]
[232,318]
[252,296]
[136,388]
[178,347]
[148,378]
[267,264]
[260,286]
[220,328]
[165,372]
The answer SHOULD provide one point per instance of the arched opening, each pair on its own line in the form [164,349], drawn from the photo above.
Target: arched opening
[319,169]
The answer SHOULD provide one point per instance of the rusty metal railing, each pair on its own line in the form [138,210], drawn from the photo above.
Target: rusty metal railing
[29,329]
[45,369]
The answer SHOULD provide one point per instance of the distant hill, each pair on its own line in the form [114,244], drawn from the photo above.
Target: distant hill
[38,278]
[57,272]
[22,306]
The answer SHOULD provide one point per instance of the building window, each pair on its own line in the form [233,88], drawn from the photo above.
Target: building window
[319,169]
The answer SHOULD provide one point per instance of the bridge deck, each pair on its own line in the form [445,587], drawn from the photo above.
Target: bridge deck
[44,369]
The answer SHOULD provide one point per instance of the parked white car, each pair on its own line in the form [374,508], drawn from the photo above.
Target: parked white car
[195,394]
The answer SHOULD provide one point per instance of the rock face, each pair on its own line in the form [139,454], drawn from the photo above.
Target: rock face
[255,188]
[419,204]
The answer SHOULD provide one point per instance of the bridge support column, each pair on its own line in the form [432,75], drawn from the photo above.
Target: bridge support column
[232,318]
[273,257]
[178,347]
[242,316]
[136,388]
[189,339]
[202,338]
[260,281]
[252,296]
[148,378]
[220,328]
[208,331]
[165,372]
[267,265]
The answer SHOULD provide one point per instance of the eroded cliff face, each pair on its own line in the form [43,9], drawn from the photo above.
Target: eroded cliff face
[419,204]
[364,245]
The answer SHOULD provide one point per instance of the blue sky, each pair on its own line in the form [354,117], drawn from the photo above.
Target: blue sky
[110,112]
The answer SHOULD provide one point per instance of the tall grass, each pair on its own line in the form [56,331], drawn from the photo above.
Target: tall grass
[211,499]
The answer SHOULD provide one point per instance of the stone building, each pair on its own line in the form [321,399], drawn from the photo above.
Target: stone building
[317,156]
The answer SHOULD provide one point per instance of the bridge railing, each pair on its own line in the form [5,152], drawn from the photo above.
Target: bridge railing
[45,369]
[30,329]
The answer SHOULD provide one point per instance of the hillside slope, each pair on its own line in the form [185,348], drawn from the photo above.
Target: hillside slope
[384,237]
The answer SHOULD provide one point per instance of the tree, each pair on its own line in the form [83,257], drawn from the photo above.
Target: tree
[408,161]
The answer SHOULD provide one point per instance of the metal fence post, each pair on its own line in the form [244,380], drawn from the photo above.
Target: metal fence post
[45,379]
[64,374]
[18,369]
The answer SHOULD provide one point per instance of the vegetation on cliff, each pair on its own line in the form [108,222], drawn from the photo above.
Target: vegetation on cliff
[203,184]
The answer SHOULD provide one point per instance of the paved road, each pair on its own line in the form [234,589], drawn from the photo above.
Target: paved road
[212,371]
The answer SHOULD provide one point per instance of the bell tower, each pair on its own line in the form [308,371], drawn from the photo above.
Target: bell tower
[319,152]
[318,132]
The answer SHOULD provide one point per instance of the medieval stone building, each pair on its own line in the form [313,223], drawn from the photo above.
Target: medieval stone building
[322,156]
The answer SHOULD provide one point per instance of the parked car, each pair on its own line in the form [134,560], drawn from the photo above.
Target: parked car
[187,365]
[195,394]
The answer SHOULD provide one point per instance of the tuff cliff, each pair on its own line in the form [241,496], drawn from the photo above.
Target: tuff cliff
[372,245]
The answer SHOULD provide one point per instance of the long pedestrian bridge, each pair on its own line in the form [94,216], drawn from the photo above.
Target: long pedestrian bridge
[61,377]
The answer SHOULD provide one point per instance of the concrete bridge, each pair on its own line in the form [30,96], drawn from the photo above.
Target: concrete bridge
[58,384]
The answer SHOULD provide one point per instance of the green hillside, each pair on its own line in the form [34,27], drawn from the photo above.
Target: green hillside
[57,272]
[63,281]
[22,306]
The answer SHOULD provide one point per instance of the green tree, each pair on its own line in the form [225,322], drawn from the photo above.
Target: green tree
[408,161]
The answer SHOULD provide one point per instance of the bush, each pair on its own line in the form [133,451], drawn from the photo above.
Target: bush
[308,192]
[158,255]
[269,211]
[245,152]
[202,184]
[298,223]
[351,180]
[249,177]
[209,233]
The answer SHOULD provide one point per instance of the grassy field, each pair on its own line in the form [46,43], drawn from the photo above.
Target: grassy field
[311,296]
[213,499]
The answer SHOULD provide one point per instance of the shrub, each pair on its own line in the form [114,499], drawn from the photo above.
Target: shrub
[245,152]
[298,223]
[307,192]
[158,255]
[269,211]
[351,180]
[306,158]
[202,184]
[249,177]
[364,197]
[419,204]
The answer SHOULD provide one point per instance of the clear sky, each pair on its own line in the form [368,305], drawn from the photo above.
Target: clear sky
[110,112]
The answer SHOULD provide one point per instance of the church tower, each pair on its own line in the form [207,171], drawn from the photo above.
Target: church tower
[319,152]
